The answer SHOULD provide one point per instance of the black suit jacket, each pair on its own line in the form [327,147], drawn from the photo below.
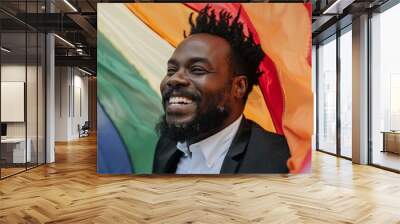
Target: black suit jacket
[253,150]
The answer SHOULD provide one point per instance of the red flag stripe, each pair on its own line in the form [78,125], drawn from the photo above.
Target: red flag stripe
[309,10]
[269,82]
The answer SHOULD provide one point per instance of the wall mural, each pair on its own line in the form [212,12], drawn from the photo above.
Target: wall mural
[174,79]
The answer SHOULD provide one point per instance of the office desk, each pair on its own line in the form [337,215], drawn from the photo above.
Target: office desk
[16,147]
[391,141]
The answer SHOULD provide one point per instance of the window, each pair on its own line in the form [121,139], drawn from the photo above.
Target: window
[314,90]
[385,88]
[327,96]
[346,93]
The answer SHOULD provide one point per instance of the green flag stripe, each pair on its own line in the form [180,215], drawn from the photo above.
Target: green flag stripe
[132,105]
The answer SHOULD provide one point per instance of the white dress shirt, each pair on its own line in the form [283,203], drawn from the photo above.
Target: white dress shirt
[207,156]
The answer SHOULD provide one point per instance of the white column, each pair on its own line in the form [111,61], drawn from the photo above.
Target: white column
[50,99]
[360,90]
[50,92]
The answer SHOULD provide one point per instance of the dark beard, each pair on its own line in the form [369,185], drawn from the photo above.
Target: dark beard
[207,122]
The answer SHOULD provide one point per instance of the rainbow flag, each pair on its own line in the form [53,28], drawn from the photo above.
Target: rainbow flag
[135,41]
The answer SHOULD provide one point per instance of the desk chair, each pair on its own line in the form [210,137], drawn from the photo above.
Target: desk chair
[84,130]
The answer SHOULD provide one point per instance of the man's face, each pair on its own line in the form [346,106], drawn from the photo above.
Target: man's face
[198,80]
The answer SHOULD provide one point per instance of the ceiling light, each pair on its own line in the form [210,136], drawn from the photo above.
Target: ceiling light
[79,51]
[64,40]
[337,7]
[5,50]
[70,5]
[333,6]
[84,71]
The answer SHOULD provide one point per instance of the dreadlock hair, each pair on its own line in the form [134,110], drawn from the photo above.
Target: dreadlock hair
[246,55]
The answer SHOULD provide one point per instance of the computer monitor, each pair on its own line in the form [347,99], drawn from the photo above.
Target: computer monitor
[3,129]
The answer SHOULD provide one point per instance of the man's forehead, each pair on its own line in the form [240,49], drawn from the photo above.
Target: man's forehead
[191,60]
[201,46]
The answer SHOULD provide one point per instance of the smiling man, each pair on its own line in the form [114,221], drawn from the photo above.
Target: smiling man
[208,80]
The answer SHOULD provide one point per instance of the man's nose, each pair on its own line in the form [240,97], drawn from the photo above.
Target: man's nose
[178,79]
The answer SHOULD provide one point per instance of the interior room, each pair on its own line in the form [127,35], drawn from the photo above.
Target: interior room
[49,127]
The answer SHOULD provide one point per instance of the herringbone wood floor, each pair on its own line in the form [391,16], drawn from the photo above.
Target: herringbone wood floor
[70,191]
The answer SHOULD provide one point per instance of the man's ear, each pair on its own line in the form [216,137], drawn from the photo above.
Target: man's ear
[240,85]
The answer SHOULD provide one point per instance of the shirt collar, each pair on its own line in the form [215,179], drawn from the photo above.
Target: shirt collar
[215,145]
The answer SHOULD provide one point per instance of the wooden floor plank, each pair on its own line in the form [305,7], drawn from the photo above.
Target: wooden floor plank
[70,191]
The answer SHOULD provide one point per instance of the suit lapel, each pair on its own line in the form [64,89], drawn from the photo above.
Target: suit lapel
[172,161]
[168,156]
[237,148]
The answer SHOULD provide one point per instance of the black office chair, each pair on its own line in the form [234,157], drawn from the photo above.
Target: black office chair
[84,130]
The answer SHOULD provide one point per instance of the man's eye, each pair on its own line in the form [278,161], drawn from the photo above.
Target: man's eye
[198,71]
[171,71]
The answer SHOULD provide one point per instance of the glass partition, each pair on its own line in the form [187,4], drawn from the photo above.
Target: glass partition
[14,154]
[22,78]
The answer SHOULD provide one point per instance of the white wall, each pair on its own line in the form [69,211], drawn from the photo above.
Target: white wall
[80,109]
[62,81]
[13,100]
[13,72]
[71,94]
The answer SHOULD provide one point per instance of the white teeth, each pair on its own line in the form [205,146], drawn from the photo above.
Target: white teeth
[179,100]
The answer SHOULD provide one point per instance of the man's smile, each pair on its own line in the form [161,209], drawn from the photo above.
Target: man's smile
[180,100]
[180,105]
